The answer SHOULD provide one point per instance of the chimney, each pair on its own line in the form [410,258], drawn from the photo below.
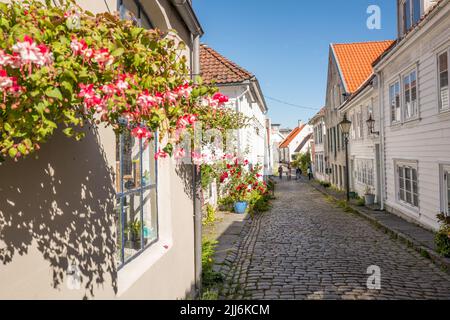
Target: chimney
[300,123]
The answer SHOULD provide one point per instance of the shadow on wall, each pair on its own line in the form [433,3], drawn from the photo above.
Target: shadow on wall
[64,202]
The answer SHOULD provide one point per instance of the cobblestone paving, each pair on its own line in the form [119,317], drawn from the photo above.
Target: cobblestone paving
[307,248]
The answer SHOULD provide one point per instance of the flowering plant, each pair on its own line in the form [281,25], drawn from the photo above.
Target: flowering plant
[63,66]
[238,182]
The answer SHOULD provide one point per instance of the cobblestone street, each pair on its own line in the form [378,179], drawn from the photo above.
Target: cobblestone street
[308,248]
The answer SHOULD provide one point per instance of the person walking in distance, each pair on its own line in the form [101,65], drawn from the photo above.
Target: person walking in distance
[280,172]
[298,173]
[309,173]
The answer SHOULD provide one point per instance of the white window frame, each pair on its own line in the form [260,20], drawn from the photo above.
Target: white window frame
[444,174]
[400,168]
[403,93]
[398,109]
[365,172]
[438,80]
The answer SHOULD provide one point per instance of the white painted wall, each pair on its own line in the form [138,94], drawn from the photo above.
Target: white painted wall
[426,140]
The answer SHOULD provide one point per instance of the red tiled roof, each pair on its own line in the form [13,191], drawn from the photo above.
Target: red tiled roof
[217,68]
[291,136]
[355,60]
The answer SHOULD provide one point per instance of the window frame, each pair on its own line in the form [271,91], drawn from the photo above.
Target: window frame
[444,175]
[410,16]
[403,94]
[121,195]
[407,164]
[438,80]
[393,83]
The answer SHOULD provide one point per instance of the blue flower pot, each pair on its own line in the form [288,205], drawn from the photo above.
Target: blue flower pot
[240,207]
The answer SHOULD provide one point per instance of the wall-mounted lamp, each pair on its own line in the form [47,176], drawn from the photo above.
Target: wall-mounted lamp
[371,125]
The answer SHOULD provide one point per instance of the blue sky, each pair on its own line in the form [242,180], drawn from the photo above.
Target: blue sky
[285,43]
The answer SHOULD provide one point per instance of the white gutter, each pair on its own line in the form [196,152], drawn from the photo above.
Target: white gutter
[186,12]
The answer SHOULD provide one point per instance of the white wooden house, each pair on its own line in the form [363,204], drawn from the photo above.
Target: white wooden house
[245,95]
[318,149]
[415,112]
[296,143]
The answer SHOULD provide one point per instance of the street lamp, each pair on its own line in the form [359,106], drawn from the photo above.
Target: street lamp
[371,125]
[345,125]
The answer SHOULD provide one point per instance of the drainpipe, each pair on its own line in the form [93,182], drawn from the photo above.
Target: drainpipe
[382,153]
[196,186]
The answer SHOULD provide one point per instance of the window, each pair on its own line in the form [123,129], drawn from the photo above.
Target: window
[411,14]
[394,99]
[136,206]
[446,189]
[133,10]
[407,184]
[364,171]
[443,81]
[410,95]
[359,125]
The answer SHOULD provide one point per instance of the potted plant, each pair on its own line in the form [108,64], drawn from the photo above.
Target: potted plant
[133,232]
[369,196]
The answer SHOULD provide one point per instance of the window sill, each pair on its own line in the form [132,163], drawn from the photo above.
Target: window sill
[412,120]
[131,272]
[409,207]
[444,112]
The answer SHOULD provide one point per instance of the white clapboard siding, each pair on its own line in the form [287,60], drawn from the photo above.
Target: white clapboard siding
[426,140]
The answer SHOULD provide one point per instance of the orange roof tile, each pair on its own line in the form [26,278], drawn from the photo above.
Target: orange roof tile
[291,136]
[217,68]
[355,60]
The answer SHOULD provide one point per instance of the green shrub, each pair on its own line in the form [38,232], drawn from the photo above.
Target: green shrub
[442,238]
[210,278]
[210,215]
[360,202]
[226,204]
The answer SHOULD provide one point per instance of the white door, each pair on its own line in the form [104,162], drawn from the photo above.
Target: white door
[446,190]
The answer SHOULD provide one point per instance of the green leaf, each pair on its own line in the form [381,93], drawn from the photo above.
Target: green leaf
[7,127]
[68,86]
[54,93]
[68,132]
[12,152]
[118,52]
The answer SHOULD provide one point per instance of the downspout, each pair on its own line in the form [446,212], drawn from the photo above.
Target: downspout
[196,185]
[382,153]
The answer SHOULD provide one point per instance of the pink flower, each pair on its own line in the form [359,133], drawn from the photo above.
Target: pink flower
[78,46]
[182,122]
[180,153]
[87,91]
[141,132]
[4,58]
[220,98]
[170,97]
[14,61]
[183,91]
[146,100]
[192,118]
[28,51]
[108,89]
[122,82]
[5,81]
[161,154]
[46,57]
[103,57]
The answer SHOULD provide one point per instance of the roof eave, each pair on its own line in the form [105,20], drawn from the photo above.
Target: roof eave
[184,8]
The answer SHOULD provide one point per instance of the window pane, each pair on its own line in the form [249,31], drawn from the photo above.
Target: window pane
[132,223]
[443,81]
[414,174]
[416,201]
[407,15]
[407,173]
[150,216]
[148,163]
[416,11]
[408,197]
[130,162]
